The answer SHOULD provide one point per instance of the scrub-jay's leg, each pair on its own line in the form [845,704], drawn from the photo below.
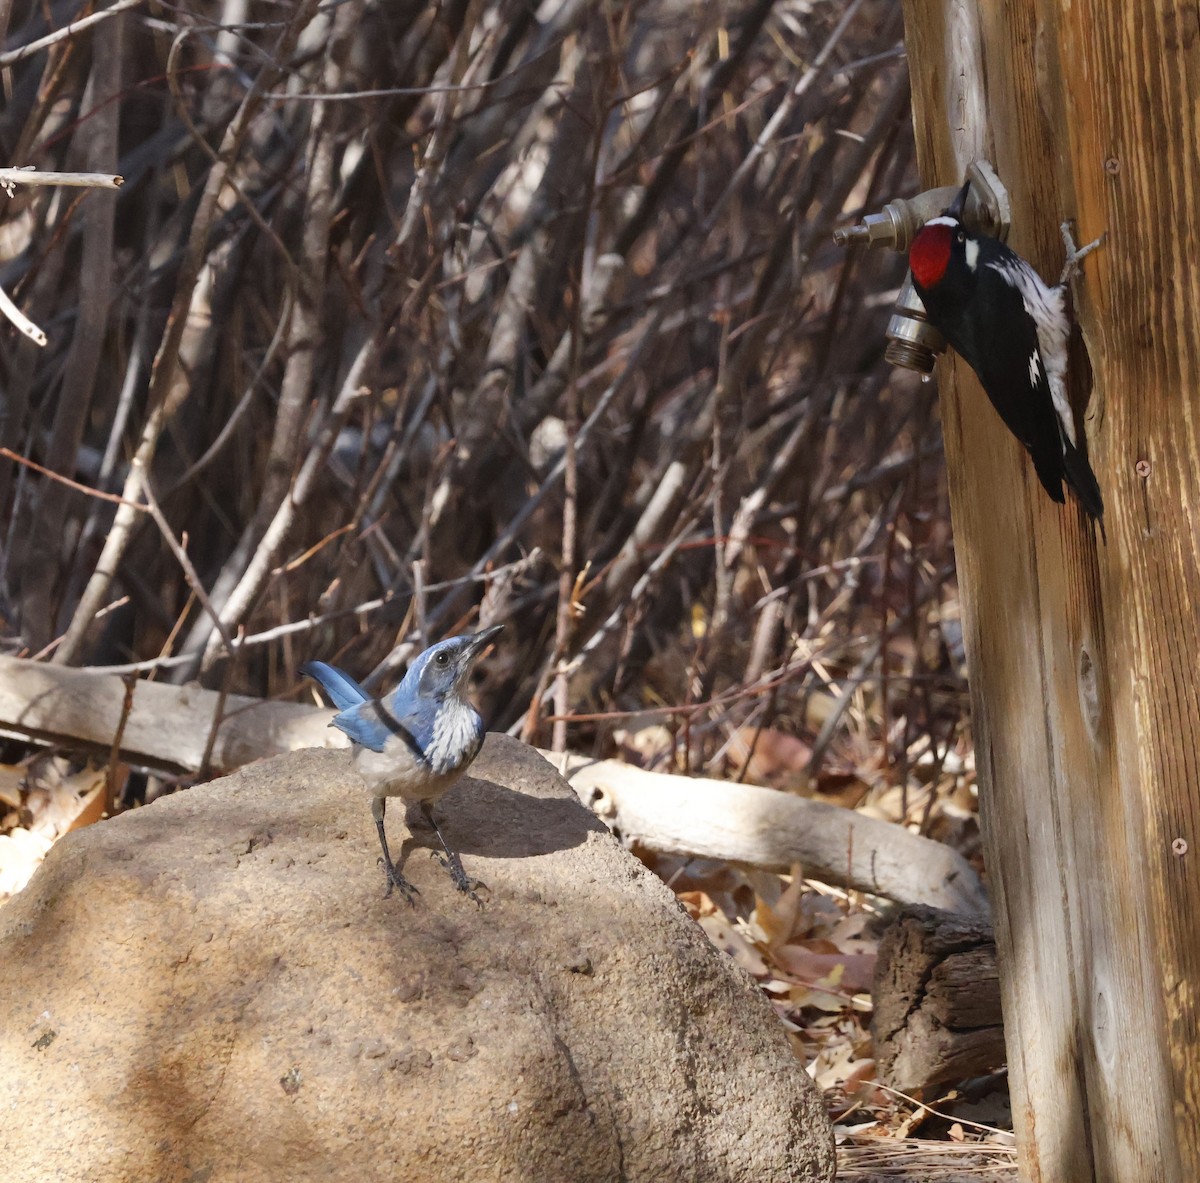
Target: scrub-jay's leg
[451,862]
[394,878]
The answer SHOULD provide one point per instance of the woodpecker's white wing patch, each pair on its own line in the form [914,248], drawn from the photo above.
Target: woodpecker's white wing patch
[1046,307]
[1035,367]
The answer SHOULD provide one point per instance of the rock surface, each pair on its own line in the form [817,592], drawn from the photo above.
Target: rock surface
[214,988]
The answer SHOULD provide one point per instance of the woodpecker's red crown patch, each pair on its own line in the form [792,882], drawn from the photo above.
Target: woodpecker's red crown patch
[929,254]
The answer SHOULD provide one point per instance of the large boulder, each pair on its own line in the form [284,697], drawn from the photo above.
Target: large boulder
[215,988]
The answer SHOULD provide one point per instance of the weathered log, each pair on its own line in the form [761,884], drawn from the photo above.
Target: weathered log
[937,1000]
[167,727]
[770,829]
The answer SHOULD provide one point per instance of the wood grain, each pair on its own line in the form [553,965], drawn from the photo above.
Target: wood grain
[936,996]
[1085,686]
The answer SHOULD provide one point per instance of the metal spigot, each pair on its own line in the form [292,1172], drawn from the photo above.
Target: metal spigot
[912,341]
[896,225]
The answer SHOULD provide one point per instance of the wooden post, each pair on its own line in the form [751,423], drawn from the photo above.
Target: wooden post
[1085,658]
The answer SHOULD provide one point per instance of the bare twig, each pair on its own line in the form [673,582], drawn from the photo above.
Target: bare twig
[18,318]
[67,31]
[33,176]
[70,484]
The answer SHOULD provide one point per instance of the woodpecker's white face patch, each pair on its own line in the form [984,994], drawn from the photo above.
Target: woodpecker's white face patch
[972,251]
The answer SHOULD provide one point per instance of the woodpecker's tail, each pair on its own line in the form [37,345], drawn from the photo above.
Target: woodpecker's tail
[1048,464]
[1083,482]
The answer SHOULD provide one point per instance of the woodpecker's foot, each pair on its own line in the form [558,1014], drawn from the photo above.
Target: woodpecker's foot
[1076,255]
[395,879]
[453,864]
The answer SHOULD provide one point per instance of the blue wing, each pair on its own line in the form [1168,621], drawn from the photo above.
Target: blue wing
[340,687]
[363,725]
[368,721]
[373,723]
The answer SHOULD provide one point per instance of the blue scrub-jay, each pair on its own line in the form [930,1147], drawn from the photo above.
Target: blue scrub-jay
[415,742]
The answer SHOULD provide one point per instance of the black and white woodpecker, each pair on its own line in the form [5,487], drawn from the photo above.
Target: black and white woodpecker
[1013,330]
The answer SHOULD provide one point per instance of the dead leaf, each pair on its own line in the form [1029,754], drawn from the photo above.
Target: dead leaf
[729,940]
[778,922]
[770,757]
[12,779]
[645,745]
[851,972]
[56,801]
[839,1065]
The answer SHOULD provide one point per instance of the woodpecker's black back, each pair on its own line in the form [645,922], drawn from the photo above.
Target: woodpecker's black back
[982,297]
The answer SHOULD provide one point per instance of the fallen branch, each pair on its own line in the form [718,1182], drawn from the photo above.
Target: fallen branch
[167,726]
[773,830]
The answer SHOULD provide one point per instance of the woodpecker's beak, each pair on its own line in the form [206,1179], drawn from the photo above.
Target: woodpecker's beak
[959,203]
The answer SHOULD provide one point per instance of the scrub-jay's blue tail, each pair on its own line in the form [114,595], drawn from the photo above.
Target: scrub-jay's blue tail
[415,742]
